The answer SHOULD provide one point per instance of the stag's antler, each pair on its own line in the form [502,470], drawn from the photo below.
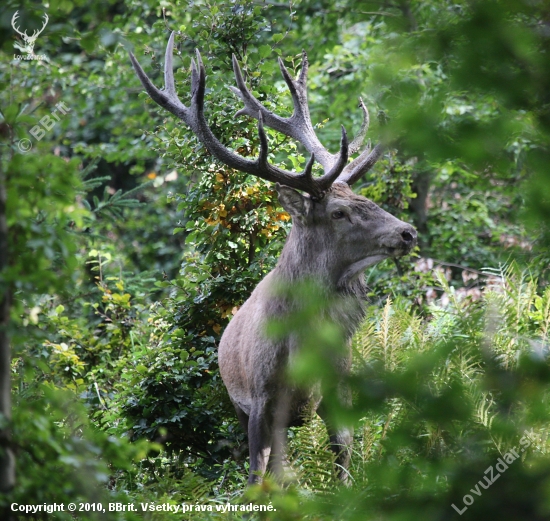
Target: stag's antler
[298,126]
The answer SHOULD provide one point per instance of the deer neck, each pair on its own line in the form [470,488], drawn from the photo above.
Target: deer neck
[306,256]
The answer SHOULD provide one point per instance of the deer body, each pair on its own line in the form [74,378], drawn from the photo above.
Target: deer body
[335,236]
[332,241]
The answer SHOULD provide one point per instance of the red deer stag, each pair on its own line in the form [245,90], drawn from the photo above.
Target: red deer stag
[335,236]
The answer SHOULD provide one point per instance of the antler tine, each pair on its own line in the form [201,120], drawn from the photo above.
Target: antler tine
[302,79]
[198,85]
[361,165]
[359,139]
[169,83]
[288,78]
[264,146]
[308,170]
[252,107]
[163,98]
[300,117]
[333,174]
[298,126]
[315,187]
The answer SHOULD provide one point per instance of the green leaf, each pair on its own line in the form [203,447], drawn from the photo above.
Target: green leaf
[264,51]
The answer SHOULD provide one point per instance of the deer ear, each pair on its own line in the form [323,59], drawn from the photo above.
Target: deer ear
[297,205]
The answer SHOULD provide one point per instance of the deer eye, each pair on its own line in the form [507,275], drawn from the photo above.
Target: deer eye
[338,214]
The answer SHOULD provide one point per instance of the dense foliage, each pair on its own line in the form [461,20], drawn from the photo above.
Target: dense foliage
[129,249]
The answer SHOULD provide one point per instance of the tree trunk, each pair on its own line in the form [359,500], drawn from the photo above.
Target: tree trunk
[421,186]
[7,458]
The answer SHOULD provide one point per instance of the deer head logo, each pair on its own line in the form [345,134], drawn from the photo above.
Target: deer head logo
[29,40]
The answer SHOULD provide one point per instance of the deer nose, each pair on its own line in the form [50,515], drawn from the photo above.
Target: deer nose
[409,236]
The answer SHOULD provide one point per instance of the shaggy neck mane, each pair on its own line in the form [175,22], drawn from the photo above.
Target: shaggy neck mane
[304,256]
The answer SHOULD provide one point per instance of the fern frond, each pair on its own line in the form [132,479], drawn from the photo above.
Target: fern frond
[310,457]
